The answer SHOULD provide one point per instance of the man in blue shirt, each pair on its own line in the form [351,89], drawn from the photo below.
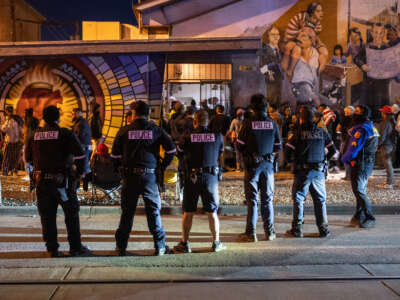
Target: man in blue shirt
[360,155]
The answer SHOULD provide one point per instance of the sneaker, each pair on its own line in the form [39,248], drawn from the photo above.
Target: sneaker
[83,251]
[368,223]
[182,248]
[162,251]
[295,232]
[324,232]
[270,235]
[247,238]
[120,251]
[57,254]
[217,246]
[355,221]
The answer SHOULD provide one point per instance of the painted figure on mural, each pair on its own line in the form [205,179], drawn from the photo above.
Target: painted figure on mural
[305,79]
[355,43]
[270,59]
[311,18]
[375,92]
[39,91]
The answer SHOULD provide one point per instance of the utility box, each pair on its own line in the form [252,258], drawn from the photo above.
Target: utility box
[92,31]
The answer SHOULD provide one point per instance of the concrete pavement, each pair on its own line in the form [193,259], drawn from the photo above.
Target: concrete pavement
[353,263]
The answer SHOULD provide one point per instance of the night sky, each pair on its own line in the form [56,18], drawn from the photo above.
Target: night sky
[81,10]
[90,10]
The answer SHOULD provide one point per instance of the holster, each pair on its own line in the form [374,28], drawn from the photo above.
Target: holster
[310,166]
[254,160]
[60,179]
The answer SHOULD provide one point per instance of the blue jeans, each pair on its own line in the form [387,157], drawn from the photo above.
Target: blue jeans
[313,181]
[359,175]
[86,161]
[133,186]
[260,179]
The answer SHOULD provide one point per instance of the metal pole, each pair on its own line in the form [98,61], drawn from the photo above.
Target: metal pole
[348,20]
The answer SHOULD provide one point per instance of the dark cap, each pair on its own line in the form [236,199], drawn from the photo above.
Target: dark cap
[141,108]
[51,114]
[258,102]
[307,114]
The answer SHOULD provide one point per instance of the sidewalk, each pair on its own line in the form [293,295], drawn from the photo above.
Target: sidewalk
[353,263]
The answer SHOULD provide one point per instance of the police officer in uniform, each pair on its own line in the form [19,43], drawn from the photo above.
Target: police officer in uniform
[259,141]
[136,149]
[306,149]
[201,150]
[360,155]
[49,150]
[184,126]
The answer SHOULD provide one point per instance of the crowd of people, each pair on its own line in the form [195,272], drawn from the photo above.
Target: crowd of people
[264,139]
[335,122]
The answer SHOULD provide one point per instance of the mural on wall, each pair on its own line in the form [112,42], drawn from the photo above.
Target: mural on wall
[365,71]
[113,81]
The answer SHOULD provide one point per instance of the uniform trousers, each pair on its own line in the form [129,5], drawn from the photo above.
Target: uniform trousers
[48,199]
[259,180]
[313,181]
[133,186]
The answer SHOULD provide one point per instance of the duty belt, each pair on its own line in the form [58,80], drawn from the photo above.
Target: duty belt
[87,147]
[211,170]
[139,171]
[310,166]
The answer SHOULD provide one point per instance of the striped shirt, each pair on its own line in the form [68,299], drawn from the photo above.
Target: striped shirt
[296,23]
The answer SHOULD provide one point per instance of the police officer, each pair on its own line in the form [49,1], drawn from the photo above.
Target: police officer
[259,141]
[136,149]
[360,155]
[306,149]
[49,150]
[184,126]
[201,150]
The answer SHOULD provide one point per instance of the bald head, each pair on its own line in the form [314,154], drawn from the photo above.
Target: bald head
[200,118]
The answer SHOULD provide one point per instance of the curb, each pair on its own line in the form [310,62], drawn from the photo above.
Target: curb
[226,210]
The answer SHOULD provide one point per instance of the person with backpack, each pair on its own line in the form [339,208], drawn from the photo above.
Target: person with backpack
[387,143]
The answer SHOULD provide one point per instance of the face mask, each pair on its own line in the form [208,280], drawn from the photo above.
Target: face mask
[358,119]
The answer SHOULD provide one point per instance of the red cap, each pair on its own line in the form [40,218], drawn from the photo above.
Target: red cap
[386,109]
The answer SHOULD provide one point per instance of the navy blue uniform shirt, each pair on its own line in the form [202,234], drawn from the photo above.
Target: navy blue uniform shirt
[50,147]
[202,148]
[307,146]
[138,145]
[259,135]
